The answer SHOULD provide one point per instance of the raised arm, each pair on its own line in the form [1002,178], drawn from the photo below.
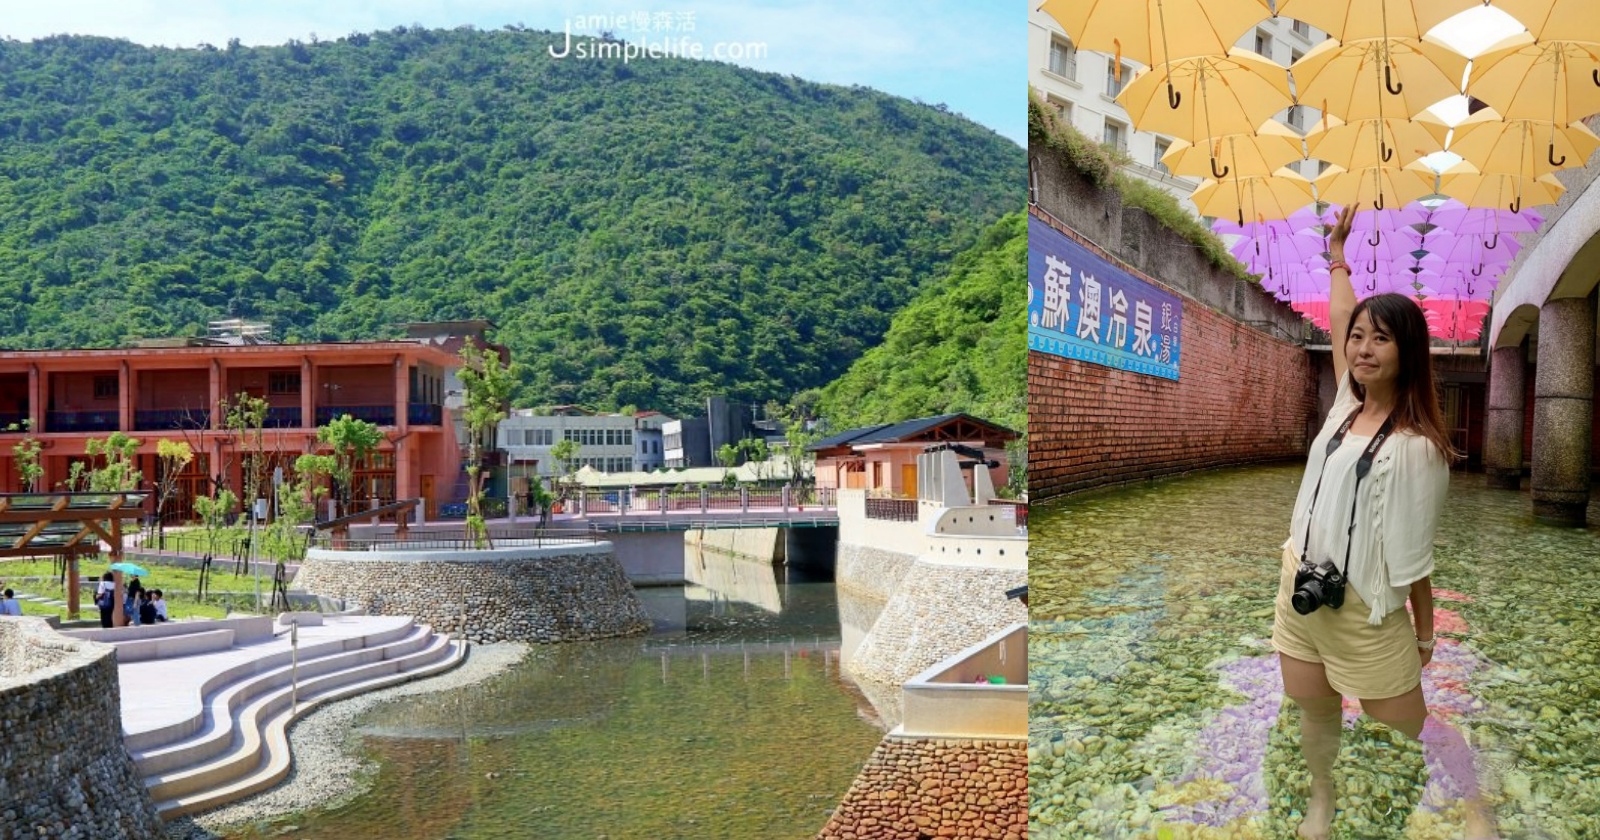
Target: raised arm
[1341,294]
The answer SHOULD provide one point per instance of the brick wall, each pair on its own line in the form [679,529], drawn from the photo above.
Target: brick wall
[1247,390]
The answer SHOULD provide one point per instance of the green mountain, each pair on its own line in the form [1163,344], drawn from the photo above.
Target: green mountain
[960,346]
[646,233]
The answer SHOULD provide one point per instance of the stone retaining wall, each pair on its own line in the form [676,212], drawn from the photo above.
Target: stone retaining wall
[566,594]
[937,611]
[64,771]
[914,789]
[870,571]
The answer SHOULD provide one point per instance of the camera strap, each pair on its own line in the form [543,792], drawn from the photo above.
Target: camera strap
[1363,466]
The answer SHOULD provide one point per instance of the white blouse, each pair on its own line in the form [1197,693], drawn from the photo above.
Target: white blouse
[1395,517]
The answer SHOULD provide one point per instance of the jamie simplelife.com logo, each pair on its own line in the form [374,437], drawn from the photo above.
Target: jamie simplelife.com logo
[654,34]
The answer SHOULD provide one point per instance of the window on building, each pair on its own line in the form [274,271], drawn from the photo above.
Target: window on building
[1161,149]
[1295,56]
[105,387]
[1114,85]
[1116,135]
[1302,29]
[1063,59]
[1263,44]
[283,382]
[1296,118]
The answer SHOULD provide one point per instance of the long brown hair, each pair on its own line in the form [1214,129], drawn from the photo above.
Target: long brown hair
[1416,405]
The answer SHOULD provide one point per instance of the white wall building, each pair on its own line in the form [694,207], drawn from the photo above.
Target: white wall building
[648,453]
[1080,85]
[606,442]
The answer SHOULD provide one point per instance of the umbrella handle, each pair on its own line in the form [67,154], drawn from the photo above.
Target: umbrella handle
[1219,175]
[1394,88]
[1372,281]
[1375,240]
[1553,161]
[1495,240]
[1378,205]
[1241,217]
[1595,74]
[1478,272]
[1173,97]
[1469,288]
[1516,206]
[1372,269]
[1388,152]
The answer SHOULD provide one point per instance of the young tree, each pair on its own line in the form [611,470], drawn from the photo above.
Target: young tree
[566,454]
[755,453]
[29,469]
[110,466]
[351,440]
[728,456]
[246,416]
[486,384]
[172,457]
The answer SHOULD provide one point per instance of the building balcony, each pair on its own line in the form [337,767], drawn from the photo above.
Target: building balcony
[283,417]
[81,421]
[13,421]
[424,414]
[162,419]
[378,415]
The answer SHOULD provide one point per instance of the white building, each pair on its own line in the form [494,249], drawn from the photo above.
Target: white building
[1081,87]
[606,442]
[649,453]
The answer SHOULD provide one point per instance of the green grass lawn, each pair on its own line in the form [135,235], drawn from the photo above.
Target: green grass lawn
[225,591]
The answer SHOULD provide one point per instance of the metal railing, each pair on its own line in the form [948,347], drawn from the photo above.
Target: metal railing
[378,415]
[892,510]
[13,421]
[1020,507]
[497,538]
[424,414]
[159,419]
[81,421]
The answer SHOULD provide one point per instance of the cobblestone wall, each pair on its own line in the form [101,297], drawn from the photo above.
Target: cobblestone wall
[937,611]
[1247,390]
[64,772]
[559,598]
[870,571]
[915,789]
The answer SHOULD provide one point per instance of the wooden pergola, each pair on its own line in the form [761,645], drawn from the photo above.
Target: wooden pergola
[67,525]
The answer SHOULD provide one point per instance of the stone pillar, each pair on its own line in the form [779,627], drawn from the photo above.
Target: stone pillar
[1563,411]
[124,398]
[1502,445]
[308,406]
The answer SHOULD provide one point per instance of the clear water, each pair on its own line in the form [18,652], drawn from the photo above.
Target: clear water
[732,720]
[1157,708]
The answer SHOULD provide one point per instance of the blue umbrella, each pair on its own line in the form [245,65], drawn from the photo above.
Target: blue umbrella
[130,568]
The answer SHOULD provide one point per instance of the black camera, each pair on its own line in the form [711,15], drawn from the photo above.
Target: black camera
[1316,586]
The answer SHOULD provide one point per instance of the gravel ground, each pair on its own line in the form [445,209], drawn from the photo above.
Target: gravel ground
[324,771]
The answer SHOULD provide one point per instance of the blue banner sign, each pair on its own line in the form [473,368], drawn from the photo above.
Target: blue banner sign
[1082,307]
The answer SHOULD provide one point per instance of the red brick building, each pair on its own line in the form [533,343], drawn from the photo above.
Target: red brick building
[63,398]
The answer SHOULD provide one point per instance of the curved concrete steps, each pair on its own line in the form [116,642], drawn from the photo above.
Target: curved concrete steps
[237,744]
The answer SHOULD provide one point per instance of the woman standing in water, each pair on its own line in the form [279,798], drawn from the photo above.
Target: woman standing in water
[1361,543]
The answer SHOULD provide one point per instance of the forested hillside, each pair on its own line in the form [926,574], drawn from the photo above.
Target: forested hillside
[960,346]
[647,233]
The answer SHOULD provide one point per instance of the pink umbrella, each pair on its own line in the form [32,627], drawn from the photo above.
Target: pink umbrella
[1259,253]
[1391,245]
[1459,286]
[1296,284]
[1455,216]
[1455,319]
[1472,249]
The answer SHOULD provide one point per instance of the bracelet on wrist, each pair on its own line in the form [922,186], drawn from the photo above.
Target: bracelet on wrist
[1427,644]
[1339,264]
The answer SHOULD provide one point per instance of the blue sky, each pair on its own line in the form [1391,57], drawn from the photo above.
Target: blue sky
[970,56]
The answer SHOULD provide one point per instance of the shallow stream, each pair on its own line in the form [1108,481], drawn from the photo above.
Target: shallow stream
[1157,711]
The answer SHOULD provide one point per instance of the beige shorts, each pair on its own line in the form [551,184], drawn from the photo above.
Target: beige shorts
[1361,660]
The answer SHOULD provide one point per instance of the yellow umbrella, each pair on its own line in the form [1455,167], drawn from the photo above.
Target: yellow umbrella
[1350,20]
[1364,143]
[1551,20]
[1524,79]
[1521,147]
[1382,186]
[1464,183]
[1379,78]
[1231,94]
[1259,152]
[1155,31]
[1272,196]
